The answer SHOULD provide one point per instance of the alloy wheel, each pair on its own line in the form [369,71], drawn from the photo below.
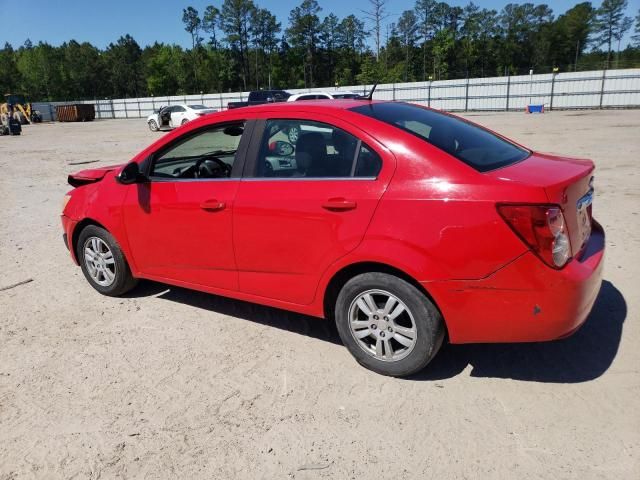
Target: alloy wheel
[99,261]
[382,325]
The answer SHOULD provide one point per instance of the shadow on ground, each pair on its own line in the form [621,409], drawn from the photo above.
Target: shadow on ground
[582,357]
[273,317]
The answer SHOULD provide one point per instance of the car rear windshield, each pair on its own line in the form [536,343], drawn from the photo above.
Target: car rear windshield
[198,107]
[469,143]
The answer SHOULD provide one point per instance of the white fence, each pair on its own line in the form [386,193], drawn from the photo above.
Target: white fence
[570,90]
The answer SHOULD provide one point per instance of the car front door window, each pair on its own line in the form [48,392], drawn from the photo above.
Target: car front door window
[207,154]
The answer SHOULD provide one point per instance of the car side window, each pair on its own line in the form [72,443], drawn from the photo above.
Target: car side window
[368,164]
[206,154]
[307,149]
[178,109]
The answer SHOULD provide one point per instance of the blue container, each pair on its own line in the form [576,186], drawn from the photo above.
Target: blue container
[535,108]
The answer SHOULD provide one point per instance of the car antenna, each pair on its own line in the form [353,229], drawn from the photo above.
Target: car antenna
[373,89]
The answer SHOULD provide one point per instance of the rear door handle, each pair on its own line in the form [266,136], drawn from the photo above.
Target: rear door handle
[339,205]
[212,205]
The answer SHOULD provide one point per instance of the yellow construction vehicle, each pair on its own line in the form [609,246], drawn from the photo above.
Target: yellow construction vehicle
[21,110]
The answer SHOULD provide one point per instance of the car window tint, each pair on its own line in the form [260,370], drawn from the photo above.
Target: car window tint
[207,154]
[307,149]
[178,109]
[469,143]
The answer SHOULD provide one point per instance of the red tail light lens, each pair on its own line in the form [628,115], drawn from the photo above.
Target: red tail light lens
[542,228]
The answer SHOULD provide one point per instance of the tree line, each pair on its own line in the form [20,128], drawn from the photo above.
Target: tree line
[242,46]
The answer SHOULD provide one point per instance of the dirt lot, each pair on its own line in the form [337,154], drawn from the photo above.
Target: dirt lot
[169,383]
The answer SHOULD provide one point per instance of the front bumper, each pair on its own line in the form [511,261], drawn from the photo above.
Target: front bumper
[525,301]
[68,225]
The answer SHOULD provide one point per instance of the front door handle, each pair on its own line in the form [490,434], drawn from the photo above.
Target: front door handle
[339,205]
[212,205]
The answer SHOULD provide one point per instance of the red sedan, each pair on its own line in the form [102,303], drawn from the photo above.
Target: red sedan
[403,224]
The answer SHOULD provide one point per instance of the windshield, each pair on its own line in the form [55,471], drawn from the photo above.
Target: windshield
[198,107]
[469,143]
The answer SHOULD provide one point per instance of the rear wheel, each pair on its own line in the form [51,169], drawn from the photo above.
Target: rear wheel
[153,126]
[387,324]
[103,262]
[184,122]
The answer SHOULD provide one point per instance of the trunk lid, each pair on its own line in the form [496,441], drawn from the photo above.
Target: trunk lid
[567,182]
[90,175]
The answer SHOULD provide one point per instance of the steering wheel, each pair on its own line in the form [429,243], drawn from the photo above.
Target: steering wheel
[211,167]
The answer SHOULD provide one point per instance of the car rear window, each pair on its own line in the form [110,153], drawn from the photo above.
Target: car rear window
[469,143]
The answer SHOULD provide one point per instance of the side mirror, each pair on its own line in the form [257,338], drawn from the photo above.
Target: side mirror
[130,174]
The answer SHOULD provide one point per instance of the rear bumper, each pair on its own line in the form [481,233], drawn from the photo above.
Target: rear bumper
[525,301]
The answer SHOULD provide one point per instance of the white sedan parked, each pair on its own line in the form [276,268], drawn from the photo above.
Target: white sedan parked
[337,95]
[175,115]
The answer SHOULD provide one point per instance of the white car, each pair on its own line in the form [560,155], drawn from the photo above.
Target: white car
[175,115]
[337,95]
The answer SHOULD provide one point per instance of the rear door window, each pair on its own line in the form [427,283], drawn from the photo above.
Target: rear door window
[306,149]
[469,143]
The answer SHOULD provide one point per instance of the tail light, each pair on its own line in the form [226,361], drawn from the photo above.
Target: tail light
[542,228]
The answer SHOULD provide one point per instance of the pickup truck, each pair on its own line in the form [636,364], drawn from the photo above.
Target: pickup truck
[262,96]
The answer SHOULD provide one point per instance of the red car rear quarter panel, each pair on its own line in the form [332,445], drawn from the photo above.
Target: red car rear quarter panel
[438,217]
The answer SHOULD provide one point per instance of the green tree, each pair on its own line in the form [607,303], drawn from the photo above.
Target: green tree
[264,31]
[610,25]
[370,70]
[235,20]
[81,70]
[636,37]
[123,68]
[10,79]
[163,69]
[425,12]
[40,71]
[572,30]
[329,42]
[408,34]
[303,35]
[210,21]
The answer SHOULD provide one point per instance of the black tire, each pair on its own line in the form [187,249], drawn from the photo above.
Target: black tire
[184,122]
[425,317]
[153,126]
[123,279]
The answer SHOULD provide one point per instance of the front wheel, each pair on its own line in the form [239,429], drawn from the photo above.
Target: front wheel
[387,324]
[153,126]
[103,262]
[293,134]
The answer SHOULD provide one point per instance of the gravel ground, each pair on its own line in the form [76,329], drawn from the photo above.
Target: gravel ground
[169,383]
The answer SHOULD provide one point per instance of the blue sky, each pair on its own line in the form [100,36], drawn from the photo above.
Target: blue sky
[100,23]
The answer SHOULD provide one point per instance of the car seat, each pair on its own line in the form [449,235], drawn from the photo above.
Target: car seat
[311,155]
